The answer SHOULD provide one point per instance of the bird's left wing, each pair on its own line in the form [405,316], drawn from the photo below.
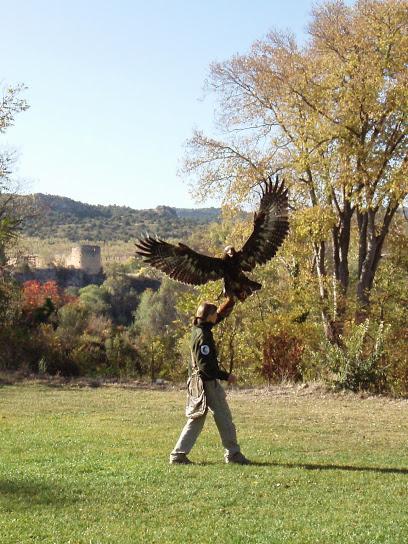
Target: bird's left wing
[179,261]
[271,226]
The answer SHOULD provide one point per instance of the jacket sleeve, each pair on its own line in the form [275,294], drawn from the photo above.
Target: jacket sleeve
[206,358]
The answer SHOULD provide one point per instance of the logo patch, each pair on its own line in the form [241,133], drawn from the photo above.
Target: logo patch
[205,350]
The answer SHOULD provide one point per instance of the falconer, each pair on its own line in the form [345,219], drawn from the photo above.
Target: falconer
[204,356]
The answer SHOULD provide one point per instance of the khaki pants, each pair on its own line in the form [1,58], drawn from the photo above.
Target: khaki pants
[217,403]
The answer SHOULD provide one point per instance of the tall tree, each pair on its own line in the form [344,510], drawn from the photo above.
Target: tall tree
[331,115]
[154,325]
[11,103]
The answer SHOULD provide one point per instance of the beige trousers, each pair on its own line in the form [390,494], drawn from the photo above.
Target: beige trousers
[217,403]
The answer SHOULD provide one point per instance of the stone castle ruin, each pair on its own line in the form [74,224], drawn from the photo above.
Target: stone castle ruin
[86,258]
[82,267]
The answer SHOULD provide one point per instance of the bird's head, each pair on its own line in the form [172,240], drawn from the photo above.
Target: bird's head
[230,251]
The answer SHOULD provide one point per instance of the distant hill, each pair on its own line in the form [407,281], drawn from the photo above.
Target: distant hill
[61,217]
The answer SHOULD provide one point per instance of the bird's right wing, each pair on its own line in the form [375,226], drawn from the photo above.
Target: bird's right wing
[180,262]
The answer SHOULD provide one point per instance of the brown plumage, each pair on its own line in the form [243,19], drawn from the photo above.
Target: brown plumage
[188,266]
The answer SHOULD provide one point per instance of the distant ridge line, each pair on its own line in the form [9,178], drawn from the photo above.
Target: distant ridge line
[51,197]
[53,216]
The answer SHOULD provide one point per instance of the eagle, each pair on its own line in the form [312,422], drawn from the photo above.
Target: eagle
[183,264]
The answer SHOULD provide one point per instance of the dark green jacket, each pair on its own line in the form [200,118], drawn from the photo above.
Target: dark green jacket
[205,353]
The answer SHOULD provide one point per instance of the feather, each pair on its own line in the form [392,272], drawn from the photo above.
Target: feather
[180,262]
[271,226]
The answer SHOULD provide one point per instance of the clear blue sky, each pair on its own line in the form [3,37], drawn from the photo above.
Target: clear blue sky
[115,88]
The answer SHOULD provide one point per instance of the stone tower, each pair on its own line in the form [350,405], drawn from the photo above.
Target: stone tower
[87,258]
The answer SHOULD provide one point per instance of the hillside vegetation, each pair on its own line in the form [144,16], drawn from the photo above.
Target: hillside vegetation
[63,218]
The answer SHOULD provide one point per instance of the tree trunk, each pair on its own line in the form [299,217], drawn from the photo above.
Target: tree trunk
[362,219]
[329,330]
[320,260]
[341,245]
[152,363]
[341,275]
[3,258]
[370,247]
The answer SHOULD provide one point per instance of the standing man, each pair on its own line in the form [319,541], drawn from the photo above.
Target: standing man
[204,353]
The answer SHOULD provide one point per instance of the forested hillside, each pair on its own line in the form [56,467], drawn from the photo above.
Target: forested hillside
[64,218]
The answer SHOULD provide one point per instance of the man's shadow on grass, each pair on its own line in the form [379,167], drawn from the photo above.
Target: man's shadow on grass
[311,466]
[317,466]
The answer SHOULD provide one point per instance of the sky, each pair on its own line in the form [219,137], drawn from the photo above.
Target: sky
[116,88]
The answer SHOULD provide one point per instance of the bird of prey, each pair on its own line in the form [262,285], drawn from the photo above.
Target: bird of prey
[183,264]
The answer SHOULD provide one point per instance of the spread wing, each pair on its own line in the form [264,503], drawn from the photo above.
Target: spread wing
[271,226]
[180,262]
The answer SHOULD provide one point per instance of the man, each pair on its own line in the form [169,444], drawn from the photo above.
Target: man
[205,357]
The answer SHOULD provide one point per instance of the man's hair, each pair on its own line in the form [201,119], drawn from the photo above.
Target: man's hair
[204,311]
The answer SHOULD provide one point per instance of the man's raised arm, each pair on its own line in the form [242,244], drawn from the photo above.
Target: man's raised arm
[225,309]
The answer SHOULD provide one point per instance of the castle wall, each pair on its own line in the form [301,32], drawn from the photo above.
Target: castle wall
[72,277]
[86,258]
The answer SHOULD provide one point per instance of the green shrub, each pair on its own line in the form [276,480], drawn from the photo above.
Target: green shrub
[122,357]
[359,363]
[398,357]
[89,355]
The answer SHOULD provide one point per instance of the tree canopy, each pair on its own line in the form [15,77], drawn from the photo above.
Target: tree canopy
[332,116]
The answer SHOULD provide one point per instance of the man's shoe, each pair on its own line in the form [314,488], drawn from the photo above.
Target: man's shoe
[180,459]
[238,458]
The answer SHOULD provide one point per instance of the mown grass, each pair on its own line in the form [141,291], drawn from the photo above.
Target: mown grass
[91,466]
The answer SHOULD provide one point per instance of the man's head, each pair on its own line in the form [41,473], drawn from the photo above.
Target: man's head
[206,312]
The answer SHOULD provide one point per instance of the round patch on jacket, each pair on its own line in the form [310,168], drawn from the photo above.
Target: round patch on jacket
[205,350]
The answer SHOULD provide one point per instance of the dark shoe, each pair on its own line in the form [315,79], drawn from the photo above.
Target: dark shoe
[181,459]
[238,458]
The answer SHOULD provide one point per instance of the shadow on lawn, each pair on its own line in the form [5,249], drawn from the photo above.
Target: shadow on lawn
[351,468]
[34,492]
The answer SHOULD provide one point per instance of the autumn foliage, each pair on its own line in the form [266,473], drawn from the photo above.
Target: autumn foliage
[35,294]
[282,356]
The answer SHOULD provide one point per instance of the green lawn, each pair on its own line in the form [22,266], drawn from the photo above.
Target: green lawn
[91,466]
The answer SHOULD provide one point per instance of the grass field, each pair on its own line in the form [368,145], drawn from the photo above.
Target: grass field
[91,466]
